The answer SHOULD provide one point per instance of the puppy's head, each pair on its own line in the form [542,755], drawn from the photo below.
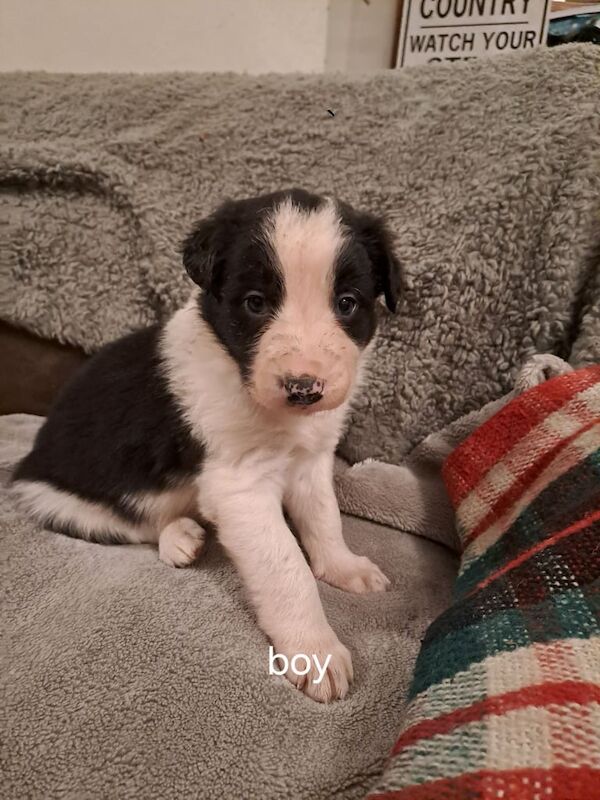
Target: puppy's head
[289,286]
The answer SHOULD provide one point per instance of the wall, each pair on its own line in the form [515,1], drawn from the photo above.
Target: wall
[159,35]
[361,36]
[199,35]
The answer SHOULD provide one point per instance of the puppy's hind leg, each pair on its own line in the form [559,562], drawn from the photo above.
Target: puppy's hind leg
[181,542]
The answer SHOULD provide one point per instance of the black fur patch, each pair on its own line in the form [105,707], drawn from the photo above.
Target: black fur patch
[250,268]
[115,430]
[354,276]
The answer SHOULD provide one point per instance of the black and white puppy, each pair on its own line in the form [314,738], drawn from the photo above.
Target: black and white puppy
[231,412]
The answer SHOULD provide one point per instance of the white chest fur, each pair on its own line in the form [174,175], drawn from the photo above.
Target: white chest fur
[221,413]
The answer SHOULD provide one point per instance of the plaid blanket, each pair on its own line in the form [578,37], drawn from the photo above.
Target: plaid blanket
[505,701]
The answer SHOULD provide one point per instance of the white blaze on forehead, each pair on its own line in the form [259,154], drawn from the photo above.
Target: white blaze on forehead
[306,244]
[305,337]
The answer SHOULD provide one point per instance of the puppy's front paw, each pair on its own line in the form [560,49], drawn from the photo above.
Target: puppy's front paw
[321,667]
[181,542]
[355,574]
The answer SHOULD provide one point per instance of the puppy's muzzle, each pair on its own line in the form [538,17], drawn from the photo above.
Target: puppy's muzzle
[303,390]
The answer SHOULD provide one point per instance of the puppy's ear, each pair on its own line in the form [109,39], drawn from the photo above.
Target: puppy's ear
[378,243]
[374,235]
[199,252]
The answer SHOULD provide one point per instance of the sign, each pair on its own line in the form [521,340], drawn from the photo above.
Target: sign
[436,31]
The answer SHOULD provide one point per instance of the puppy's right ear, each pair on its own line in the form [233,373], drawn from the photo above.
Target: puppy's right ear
[199,252]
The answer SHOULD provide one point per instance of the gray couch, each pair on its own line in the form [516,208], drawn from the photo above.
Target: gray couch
[128,679]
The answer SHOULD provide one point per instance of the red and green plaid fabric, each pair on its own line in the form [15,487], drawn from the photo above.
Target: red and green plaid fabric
[505,701]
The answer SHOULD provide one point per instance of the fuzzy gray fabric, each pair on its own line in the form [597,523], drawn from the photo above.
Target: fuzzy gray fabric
[127,678]
[123,677]
[487,170]
[411,496]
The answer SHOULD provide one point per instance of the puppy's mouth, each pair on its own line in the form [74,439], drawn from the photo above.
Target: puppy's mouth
[305,400]
[306,409]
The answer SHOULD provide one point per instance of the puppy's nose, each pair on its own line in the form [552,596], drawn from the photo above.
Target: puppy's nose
[303,390]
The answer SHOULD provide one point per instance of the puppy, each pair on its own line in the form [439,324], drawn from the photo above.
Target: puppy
[231,412]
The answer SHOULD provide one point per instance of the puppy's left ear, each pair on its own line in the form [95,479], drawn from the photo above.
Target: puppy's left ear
[374,235]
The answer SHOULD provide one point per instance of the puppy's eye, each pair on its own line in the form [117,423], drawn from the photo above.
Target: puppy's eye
[256,303]
[346,305]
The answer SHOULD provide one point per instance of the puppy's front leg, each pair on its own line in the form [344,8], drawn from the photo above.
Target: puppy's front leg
[311,502]
[281,587]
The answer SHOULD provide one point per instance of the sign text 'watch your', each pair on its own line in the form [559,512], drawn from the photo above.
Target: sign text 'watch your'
[456,30]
